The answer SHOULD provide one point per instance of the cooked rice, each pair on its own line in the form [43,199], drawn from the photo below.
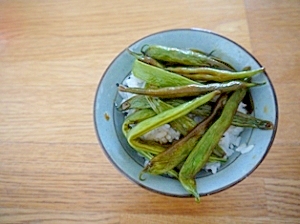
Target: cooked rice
[162,134]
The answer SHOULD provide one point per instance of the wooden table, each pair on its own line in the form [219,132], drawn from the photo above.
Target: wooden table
[52,56]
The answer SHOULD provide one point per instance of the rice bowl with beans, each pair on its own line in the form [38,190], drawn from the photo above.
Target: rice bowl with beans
[243,148]
[230,142]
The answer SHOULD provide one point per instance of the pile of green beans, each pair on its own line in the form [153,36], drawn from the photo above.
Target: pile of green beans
[181,83]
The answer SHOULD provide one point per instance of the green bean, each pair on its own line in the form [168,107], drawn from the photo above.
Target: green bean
[163,118]
[184,57]
[187,90]
[174,155]
[157,76]
[203,149]
[246,120]
[240,119]
[211,74]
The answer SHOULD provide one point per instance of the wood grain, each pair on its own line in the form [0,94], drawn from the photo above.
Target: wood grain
[52,56]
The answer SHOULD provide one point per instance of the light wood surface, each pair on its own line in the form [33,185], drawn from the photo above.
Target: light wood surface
[52,56]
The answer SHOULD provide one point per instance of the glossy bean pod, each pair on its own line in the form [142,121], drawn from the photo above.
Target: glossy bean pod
[158,77]
[184,57]
[240,119]
[211,74]
[187,90]
[203,149]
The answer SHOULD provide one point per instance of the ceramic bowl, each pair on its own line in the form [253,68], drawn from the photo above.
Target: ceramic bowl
[108,119]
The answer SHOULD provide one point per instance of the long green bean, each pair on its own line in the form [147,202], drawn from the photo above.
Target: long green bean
[211,74]
[157,76]
[202,151]
[240,119]
[187,90]
[184,57]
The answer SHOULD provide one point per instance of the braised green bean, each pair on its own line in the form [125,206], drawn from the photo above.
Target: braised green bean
[240,119]
[203,149]
[184,57]
[157,76]
[211,74]
[247,120]
[187,90]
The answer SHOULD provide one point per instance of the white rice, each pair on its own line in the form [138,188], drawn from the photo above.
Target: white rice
[162,134]
[230,142]
[212,166]
[231,139]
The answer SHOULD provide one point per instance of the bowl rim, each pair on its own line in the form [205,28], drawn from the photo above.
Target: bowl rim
[269,145]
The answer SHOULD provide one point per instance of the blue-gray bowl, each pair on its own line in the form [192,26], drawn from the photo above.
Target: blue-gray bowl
[108,119]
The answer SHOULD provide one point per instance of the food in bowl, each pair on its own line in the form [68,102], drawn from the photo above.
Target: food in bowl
[108,118]
[184,111]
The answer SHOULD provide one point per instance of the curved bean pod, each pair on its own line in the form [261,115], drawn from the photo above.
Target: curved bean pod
[158,77]
[184,57]
[211,74]
[202,151]
[188,90]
